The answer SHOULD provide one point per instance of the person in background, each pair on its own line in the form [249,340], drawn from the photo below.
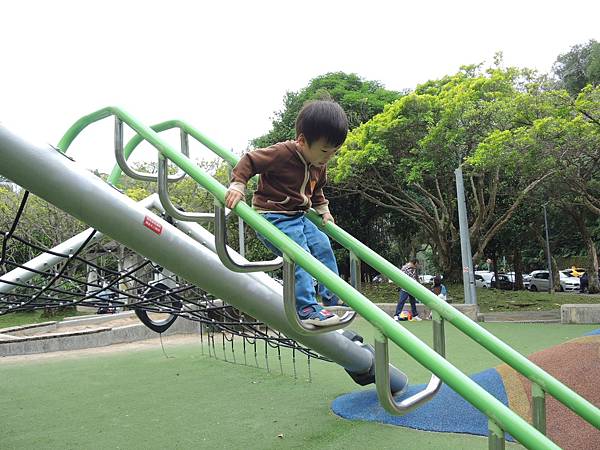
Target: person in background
[411,269]
[583,283]
[439,289]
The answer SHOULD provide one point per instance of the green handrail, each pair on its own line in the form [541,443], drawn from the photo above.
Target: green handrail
[507,354]
[468,389]
[551,385]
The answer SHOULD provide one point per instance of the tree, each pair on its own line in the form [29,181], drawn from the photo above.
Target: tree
[410,151]
[579,67]
[361,99]
[562,139]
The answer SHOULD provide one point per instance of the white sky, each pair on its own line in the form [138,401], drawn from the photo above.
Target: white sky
[224,66]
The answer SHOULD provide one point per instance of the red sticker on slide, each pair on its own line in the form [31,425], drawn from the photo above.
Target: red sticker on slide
[153,225]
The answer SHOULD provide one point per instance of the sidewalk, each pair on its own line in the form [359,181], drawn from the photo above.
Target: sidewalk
[552,316]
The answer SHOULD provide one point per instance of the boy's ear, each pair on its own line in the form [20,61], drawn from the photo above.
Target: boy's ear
[301,139]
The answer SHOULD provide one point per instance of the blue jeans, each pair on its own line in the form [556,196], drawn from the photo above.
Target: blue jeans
[402,300]
[310,238]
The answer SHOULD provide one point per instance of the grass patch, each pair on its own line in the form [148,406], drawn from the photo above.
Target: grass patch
[37,316]
[498,300]
[142,400]
[489,299]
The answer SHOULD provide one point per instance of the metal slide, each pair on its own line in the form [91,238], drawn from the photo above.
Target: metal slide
[60,181]
[50,175]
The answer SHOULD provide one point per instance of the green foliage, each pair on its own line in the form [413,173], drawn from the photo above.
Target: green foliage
[579,67]
[409,153]
[360,99]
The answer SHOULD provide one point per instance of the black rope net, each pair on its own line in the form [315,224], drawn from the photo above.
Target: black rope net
[108,277]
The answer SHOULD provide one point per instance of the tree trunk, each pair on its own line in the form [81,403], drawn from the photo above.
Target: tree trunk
[495,265]
[591,250]
[555,277]
[541,240]
[518,268]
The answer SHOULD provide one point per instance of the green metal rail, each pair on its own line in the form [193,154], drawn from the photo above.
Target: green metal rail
[501,418]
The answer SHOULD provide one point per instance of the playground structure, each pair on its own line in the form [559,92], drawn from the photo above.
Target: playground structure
[45,172]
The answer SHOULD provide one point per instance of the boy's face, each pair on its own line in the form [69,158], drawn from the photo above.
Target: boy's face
[319,152]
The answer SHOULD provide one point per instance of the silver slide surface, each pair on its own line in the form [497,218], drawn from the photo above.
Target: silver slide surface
[52,176]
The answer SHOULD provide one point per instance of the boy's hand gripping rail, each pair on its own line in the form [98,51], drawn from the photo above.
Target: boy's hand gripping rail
[221,247]
[289,305]
[382,375]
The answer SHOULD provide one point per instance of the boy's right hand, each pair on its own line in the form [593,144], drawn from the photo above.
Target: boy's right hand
[232,198]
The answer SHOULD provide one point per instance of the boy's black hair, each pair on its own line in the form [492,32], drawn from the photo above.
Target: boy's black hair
[322,119]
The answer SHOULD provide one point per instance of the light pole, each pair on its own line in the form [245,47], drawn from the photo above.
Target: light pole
[465,242]
[549,258]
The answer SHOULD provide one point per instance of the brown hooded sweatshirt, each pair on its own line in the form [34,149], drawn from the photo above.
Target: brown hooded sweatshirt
[288,183]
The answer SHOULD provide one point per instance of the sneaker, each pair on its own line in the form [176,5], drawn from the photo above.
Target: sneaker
[396,318]
[315,315]
[416,319]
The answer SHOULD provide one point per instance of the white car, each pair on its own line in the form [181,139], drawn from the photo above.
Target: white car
[540,280]
[427,279]
[483,278]
[526,278]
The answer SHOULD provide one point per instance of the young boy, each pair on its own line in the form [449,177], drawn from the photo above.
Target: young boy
[292,176]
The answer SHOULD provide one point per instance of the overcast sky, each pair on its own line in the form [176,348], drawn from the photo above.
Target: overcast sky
[224,66]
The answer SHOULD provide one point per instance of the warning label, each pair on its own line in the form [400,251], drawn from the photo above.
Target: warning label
[153,225]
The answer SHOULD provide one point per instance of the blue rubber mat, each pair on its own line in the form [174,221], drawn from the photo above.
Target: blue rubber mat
[446,412]
[592,333]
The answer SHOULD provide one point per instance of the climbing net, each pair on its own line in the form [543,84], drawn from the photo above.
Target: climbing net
[102,274]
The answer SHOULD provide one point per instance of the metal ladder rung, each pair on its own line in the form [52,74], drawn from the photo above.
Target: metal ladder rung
[289,305]
[122,162]
[223,253]
[382,376]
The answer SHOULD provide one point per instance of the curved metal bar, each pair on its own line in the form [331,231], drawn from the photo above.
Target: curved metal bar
[163,195]
[382,382]
[122,162]
[289,305]
[221,247]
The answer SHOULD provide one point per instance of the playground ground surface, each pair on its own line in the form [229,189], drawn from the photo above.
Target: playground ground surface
[489,300]
[135,396]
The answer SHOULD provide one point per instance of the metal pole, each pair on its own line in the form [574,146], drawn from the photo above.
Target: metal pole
[538,397]
[465,243]
[548,256]
[241,236]
[355,276]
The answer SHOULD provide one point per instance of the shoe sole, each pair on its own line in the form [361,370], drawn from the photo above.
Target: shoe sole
[322,323]
[338,308]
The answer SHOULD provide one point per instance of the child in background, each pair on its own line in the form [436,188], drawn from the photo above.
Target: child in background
[439,289]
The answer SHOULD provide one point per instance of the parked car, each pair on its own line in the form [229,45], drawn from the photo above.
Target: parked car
[381,279]
[483,278]
[540,281]
[504,282]
[526,278]
[427,279]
